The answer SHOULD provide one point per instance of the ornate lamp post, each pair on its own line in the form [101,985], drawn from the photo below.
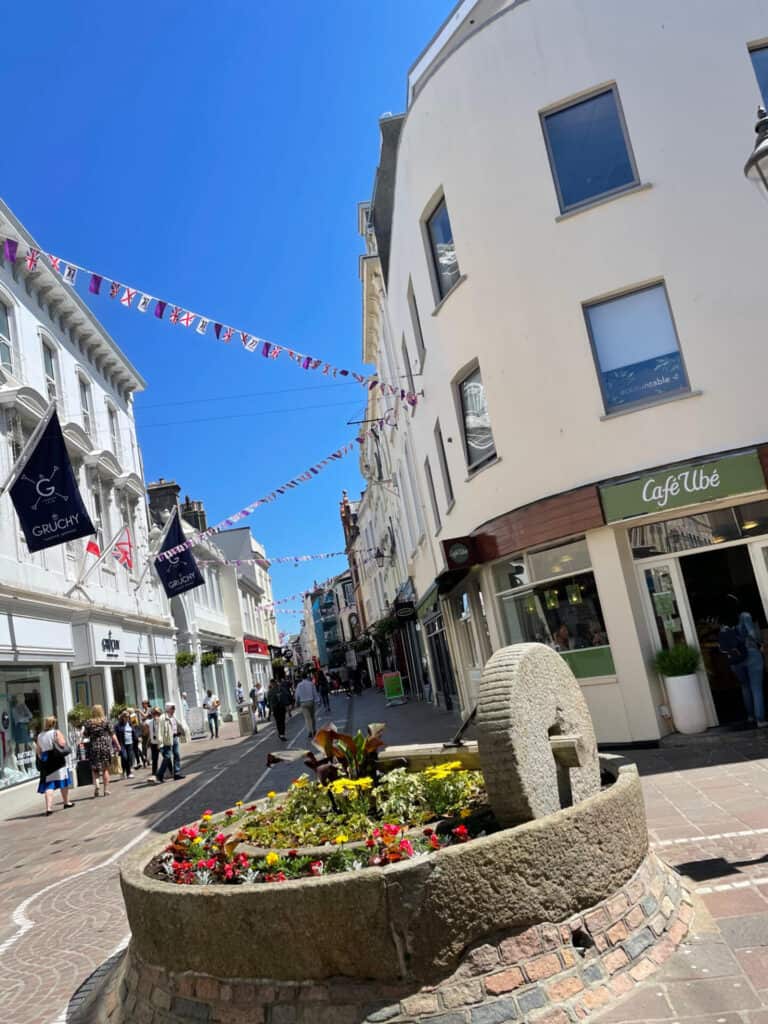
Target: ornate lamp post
[756,168]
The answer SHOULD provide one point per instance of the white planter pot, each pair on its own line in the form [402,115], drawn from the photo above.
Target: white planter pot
[686,703]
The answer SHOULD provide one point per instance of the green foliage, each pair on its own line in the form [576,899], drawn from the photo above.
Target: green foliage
[680,660]
[185,658]
[116,710]
[208,658]
[439,791]
[78,715]
[356,754]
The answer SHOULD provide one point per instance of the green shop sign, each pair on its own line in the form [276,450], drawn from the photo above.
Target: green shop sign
[678,486]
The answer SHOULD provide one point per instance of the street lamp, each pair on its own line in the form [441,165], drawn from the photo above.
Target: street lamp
[756,168]
[380,557]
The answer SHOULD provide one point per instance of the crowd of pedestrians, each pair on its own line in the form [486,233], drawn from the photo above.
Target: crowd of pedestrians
[149,738]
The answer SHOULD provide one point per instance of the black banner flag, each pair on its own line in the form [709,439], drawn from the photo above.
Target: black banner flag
[45,494]
[179,573]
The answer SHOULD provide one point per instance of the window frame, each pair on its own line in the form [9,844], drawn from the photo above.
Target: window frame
[51,382]
[463,374]
[442,458]
[428,216]
[573,101]
[113,417]
[642,403]
[408,370]
[418,334]
[10,340]
[432,495]
[84,390]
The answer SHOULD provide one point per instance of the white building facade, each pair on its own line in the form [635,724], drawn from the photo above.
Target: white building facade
[581,304]
[111,640]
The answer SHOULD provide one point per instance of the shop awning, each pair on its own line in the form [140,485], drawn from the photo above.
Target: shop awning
[256,647]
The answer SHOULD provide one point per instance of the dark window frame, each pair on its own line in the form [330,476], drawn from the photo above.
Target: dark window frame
[432,495]
[460,379]
[418,334]
[575,101]
[752,49]
[442,458]
[433,209]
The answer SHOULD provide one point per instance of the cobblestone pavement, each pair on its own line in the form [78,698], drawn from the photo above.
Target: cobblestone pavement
[61,914]
[708,817]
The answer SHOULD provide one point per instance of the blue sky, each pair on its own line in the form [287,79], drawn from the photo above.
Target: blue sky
[217,161]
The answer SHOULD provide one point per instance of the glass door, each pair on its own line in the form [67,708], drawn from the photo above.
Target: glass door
[669,617]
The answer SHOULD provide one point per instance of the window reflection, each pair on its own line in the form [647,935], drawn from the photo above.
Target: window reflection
[702,530]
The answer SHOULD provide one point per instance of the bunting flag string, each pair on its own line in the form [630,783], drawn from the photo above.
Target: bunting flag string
[308,474]
[267,562]
[180,316]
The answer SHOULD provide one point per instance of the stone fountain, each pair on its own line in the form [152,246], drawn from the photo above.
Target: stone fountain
[547,920]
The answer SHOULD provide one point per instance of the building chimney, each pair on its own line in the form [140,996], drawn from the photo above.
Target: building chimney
[194,513]
[163,497]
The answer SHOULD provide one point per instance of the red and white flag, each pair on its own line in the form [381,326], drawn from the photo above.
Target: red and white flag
[128,296]
[187,319]
[92,548]
[123,549]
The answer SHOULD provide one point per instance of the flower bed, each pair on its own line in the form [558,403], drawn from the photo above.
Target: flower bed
[314,829]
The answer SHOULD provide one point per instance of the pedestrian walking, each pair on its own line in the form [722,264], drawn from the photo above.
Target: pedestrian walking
[184,704]
[324,689]
[54,773]
[154,741]
[145,717]
[239,694]
[170,731]
[275,700]
[306,699]
[101,745]
[211,703]
[125,738]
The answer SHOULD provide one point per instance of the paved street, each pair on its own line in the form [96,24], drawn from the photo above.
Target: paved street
[60,904]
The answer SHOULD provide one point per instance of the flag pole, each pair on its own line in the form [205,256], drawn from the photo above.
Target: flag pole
[18,467]
[82,577]
[153,554]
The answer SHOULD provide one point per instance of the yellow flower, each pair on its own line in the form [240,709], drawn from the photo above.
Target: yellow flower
[214,849]
[464,812]
[341,838]
[301,781]
[272,858]
[271,794]
[198,841]
[207,817]
[364,783]
[238,803]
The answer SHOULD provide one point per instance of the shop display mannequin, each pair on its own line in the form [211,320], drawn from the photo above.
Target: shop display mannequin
[21,716]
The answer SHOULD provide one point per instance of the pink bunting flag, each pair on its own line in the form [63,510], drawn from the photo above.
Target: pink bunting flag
[95,286]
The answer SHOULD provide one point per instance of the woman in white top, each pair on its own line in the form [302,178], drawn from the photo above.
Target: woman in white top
[54,773]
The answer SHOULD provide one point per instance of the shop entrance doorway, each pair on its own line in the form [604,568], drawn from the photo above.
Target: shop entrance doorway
[709,577]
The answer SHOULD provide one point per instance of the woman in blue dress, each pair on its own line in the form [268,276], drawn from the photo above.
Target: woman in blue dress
[54,773]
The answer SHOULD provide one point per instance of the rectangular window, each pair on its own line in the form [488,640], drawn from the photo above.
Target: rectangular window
[432,495]
[442,459]
[476,421]
[408,371]
[564,614]
[413,309]
[98,519]
[85,405]
[49,366]
[589,149]
[114,430]
[443,250]
[760,64]
[6,348]
[636,348]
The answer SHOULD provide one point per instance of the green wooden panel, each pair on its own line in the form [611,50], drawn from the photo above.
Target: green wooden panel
[589,662]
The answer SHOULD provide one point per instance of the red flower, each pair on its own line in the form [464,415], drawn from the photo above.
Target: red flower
[293,853]
[229,813]
[406,847]
[376,833]
[251,808]
[428,831]
[461,833]
[211,864]
[242,860]
[434,842]
[316,867]
[279,877]
[220,839]
[208,811]
[370,843]
[392,830]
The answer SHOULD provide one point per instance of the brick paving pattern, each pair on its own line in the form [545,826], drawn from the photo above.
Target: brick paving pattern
[707,816]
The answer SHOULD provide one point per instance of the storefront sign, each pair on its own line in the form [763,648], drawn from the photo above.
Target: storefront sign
[460,552]
[679,486]
[108,645]
[256,647]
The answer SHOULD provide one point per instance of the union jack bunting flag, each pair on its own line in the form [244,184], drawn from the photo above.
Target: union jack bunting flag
[176,314]
[228,334]
[114,288]
[33,255]
[55,262]
[275,351]
[187,319]
[123,549]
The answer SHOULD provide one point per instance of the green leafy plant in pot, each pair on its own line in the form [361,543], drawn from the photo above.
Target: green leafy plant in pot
[679,666]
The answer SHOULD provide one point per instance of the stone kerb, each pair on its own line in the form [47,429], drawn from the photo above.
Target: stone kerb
[411,920]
